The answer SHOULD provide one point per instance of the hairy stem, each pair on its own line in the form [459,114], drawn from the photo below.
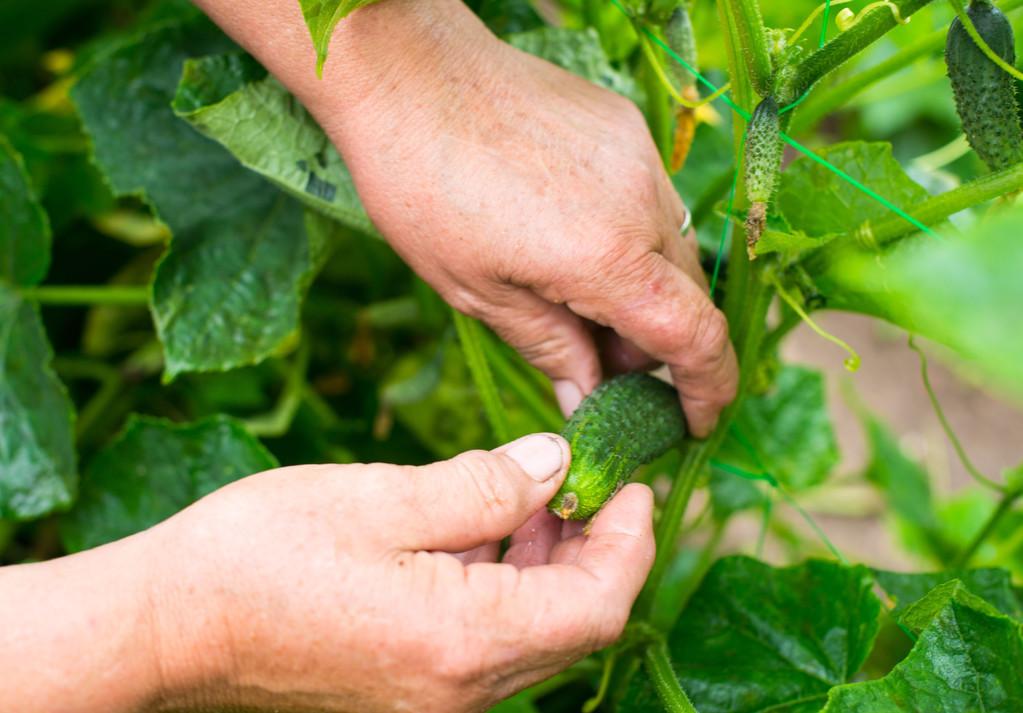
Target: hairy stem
[662,675]
[867,30]
[752,36]
[88,295]
[1008,499]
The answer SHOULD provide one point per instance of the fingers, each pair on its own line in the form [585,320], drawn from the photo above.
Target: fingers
[531,544]
[550,338]
[580,607]
[473,499]
[652,303]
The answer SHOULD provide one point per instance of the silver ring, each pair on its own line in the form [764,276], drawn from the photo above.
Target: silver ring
[687,223]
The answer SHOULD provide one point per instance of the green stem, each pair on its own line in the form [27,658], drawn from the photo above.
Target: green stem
[110,382]
[752,36]
[1005,504]
[662,675]
[834,97]
[543,411]
[932,211]
[88,295]
[278,420]
[658,103]
[868,29]
[470,334]
[964,458]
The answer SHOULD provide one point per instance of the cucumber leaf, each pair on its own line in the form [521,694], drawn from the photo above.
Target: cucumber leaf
[154,469]
[321,17]
[837,206]
[25,236]
[756,638]
[229,289]
[963,292]
[968,657]
[269,132]
[37,454]
[786,431]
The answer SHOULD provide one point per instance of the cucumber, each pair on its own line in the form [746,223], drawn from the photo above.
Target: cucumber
[764,150]
[985,94]
[682,40]
[625,423]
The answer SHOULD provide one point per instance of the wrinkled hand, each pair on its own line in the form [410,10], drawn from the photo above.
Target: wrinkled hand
[329,588]
[529,198]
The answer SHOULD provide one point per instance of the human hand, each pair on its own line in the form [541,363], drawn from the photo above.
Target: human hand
[528,197]
[330,588]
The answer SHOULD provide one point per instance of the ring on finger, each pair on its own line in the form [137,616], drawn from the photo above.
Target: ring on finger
[687,223]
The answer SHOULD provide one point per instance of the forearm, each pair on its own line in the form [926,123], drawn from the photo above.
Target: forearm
[74,634]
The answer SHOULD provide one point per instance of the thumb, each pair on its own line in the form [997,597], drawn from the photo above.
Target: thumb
[482,496]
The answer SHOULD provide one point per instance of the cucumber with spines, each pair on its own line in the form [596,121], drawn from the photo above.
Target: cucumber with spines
[625,423]
[764,149]
[985,94]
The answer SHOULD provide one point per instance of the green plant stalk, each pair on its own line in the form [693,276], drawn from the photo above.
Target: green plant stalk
[471,338]
[658,103]
[1005,504]
[88,295]
[662,675]
[932,211]
[278,420]
[752,36]
[110,383]
[546,414]
[870,27]
[829,100]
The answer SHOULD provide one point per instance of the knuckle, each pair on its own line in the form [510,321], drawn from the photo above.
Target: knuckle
[707,341]
[488,478]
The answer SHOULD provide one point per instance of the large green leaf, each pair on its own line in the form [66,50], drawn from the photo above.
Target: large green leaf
[228,291]
[756,639]
[154,469]
[265,127]
[322,16]
[24,229]
[964,292]
[786,430]
[37,454]
[837,206]
[992,585]
[968,658]
[578,51]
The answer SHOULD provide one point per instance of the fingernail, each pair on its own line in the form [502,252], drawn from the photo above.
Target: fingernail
[540,456]
[569,395]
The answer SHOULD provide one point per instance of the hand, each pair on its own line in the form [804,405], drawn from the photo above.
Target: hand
[528,197]
[329,588]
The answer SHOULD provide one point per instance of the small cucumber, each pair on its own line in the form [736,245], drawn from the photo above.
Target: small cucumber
[682,40]
[764,150]
[985,94]
[625,423]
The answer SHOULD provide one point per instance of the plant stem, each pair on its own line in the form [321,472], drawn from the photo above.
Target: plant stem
[662,675]
[827,101]
[545,413]
[110,382]
[867,30]
[278,420]
[89,295]
[1005,504]
[752,36]
[932,211]
[470,334]
[658,103]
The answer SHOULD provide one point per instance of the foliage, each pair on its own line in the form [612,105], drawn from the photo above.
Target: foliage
[191,291]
